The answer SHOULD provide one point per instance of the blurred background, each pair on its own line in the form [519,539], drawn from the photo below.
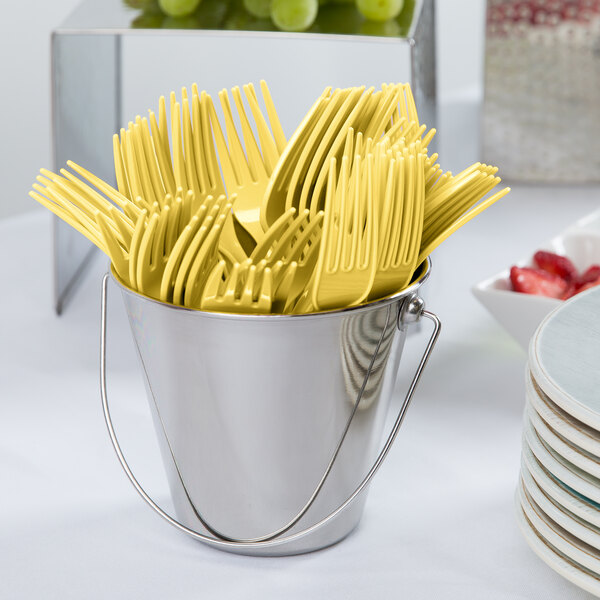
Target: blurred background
[25,115]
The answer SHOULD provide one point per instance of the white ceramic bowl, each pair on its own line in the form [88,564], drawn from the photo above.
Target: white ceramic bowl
[520,314]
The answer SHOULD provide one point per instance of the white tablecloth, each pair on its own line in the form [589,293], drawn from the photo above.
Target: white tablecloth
[439,521]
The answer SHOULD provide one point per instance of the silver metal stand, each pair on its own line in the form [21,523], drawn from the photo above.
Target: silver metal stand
[85,115]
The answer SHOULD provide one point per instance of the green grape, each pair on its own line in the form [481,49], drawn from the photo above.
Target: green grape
[178,8]
[211,14]
[260,25]
[380,10]
[389,28]
[237,19]
[294,15]
[148,21]
[187,22]
[343,19]
[405,18]
[258,8]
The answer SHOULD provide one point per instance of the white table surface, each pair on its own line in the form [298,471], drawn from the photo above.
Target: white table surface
[439,521]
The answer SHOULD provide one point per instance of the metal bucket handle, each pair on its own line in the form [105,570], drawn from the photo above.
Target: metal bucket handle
[410,311]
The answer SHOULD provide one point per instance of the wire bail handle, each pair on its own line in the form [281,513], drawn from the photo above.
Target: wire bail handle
[410,310]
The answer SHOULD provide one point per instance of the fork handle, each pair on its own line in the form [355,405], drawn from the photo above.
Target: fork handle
[410,311]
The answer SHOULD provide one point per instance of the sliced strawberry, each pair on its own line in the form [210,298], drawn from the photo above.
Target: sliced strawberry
[571,290]
[556,264]
[528,280]
[587,286]
[588,276]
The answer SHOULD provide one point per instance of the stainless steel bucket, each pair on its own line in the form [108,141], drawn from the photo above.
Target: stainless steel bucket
[269,426]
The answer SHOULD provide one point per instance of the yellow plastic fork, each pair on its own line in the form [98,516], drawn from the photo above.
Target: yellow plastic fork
[138,263]
[274,201]
[145,167]
[305,255]
[246,174]
[295,241]
[293,244]
[348,254]
[340,107]
[445,203]
[287,237]
[200,255]
[145,164]
[242,291]
[160,249]
[121,256]
[282,276]
[401,187]
[158,241]
[74,194]
[113,195]
[390,112]
[79,205]
[204,262]
[186,244]
[371,115]
[151,258]
[273,235]
[431,241]
[71,215]
[463,200]
[407,107]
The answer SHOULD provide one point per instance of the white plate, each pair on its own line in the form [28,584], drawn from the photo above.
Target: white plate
[520,314]
[561,422]
[570,570]
[567,497]
[576,526]
[577,456]
[564,357]
[579,552]
[569,474]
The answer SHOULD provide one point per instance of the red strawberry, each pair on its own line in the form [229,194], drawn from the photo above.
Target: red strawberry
[571,290]
[587,286]
[588,276]
[588,279]
[556,264]
[536,281]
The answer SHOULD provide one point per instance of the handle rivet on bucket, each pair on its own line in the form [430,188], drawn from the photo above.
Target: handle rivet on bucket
[411,310]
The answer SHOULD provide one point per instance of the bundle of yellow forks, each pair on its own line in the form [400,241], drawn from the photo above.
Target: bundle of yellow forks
[222,213]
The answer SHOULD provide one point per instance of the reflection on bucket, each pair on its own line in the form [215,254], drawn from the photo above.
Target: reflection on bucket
[251,409]
[359,341]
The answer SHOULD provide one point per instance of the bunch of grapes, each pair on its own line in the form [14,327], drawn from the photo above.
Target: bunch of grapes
[368,17]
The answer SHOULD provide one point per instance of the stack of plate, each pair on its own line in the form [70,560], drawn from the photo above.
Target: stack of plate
[558,500]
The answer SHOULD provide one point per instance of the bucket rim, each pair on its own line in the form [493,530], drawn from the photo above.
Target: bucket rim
[422,273]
